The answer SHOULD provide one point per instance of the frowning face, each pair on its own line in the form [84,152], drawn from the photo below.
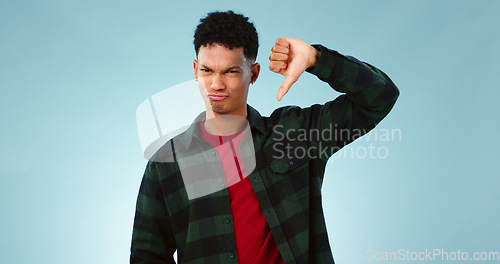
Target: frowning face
[223,76]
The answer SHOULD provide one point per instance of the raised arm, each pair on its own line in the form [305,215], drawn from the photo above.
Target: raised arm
[368,93]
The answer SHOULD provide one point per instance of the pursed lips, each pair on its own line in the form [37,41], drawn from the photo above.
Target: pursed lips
[217,97]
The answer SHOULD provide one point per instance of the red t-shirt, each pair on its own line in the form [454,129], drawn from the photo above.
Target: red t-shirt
[254,242]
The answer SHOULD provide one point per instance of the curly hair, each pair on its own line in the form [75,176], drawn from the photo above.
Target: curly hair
[228,29]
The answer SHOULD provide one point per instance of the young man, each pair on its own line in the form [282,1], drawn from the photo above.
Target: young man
[267,208]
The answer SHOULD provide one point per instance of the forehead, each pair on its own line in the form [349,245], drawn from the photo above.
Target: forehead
[217,55]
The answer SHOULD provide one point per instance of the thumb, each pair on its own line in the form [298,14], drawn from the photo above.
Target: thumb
[289,81]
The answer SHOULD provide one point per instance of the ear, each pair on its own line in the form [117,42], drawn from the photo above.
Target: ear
[195,67]
[255,69]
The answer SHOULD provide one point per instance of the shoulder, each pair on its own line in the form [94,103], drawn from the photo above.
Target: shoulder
[163,163]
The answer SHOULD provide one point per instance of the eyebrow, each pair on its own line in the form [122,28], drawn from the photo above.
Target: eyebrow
[227,69]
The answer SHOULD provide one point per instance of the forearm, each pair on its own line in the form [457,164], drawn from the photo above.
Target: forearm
[368,96]
[365,85]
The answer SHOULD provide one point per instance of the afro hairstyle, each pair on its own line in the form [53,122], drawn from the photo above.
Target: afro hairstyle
[228,29]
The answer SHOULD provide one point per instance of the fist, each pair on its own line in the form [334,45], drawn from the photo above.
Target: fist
[291,57]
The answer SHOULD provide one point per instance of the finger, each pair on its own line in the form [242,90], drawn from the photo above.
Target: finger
[278,57]
[289,81]
[279,49]
[282,42]
[276,66]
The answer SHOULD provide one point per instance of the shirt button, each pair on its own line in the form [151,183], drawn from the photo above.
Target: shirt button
[291,163]
[227,220]
[282,245]
[222,185]
[256,180]
[231,255]
[212,153]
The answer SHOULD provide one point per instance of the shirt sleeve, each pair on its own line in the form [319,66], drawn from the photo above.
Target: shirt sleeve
[368,95]
[153,241]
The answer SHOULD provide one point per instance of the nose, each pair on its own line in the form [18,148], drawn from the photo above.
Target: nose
[217,82]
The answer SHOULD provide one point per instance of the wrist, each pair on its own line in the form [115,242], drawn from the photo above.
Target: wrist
[314,57]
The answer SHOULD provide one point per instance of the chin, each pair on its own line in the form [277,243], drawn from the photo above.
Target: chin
[219,109]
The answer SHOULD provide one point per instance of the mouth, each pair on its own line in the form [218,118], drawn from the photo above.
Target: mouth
[217,97]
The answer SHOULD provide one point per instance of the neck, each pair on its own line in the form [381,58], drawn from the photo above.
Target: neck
[224,125]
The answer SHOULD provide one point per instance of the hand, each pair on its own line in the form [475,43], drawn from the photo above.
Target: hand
[291,57]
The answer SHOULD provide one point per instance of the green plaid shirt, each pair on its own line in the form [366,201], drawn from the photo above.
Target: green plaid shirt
[287,179]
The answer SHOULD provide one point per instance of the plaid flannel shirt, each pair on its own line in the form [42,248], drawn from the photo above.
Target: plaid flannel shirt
[288,187]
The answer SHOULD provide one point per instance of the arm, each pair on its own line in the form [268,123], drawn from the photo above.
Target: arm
[152,239]
[368,96]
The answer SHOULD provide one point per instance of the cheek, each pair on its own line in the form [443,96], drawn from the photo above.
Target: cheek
[247,76]
[240,80]
[241,92]
[203,83]
[238,88]
[203,90]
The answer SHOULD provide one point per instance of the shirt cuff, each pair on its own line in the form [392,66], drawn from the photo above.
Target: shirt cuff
[327,62]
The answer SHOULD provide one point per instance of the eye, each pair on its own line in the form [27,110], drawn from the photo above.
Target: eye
[233,71]
[204,70]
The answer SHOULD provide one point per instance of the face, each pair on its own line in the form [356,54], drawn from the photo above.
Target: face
[224,76]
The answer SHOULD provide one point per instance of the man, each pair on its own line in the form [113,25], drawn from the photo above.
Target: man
[267,208]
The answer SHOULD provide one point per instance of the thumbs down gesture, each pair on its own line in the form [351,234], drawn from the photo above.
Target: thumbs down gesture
[291,57]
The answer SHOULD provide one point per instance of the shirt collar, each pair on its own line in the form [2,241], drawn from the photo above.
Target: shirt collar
[253,116]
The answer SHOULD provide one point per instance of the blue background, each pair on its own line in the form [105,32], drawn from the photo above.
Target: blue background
[72,74]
